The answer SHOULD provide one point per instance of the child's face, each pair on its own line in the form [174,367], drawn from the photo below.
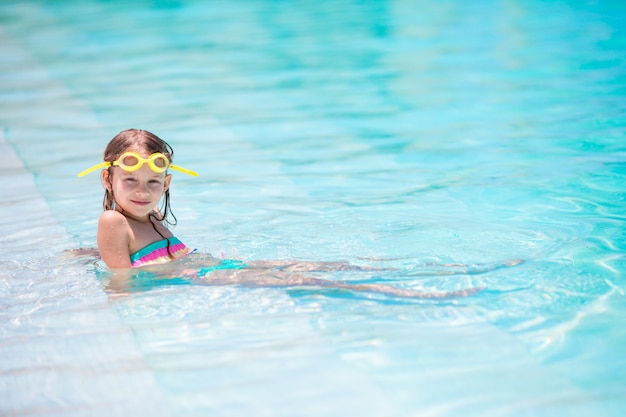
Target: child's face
[137,192]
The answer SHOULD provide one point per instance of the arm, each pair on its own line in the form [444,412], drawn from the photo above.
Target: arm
[114,237]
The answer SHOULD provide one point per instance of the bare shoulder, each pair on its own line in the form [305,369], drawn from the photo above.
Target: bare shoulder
[114,238]
[112,218]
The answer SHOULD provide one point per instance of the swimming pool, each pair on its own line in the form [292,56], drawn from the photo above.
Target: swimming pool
[396,134]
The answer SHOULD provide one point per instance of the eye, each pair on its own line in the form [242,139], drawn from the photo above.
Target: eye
[130,180]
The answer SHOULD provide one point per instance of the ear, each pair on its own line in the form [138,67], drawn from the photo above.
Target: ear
[166,183]
[105,177]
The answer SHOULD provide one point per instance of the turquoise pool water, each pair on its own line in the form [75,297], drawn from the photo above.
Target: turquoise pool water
[399,134]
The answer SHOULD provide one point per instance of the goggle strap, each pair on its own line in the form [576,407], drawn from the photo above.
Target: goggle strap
[93,168]
[184,170]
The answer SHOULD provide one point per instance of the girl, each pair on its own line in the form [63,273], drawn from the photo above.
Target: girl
[133,232]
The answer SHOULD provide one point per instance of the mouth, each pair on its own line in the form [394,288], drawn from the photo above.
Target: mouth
[140,203]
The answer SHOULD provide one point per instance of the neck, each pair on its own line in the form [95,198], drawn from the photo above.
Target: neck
[143,220]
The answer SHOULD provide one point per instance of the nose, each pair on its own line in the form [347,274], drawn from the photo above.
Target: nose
[142,189]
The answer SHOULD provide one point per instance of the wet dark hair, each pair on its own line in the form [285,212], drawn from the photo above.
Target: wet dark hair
[150,143]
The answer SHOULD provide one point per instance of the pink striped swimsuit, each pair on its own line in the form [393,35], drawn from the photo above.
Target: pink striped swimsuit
[157,252]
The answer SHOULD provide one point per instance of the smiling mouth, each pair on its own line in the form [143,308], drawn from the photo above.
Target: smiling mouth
[141,203]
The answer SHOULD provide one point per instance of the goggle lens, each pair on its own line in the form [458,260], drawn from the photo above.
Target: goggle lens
[128,161]
[161,162]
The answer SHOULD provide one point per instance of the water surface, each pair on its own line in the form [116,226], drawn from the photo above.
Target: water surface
[395,134]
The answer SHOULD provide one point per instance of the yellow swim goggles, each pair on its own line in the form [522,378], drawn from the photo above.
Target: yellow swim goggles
[132,161]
